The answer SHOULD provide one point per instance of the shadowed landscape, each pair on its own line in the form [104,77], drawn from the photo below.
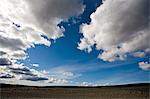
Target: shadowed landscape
[131,91]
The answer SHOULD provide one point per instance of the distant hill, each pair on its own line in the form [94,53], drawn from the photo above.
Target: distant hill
[130,91]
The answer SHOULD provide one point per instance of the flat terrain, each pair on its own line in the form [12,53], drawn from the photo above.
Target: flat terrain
[132,91]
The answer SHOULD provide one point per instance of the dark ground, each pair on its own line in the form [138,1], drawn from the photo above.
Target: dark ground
[132,91]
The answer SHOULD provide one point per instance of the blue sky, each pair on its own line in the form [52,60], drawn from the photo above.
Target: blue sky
[63,56]
[64,52]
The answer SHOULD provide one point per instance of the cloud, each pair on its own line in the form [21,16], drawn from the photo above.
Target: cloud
[42,15]
[68,74]
[63,72]
[35,78]
[52,12]
[139,54]
[12,44]
[88,84]
[19,72]
[35,65]
[2,53]
[57,81]
[144,65]
[26,23]
[6,76]
[5,61]
[118,28]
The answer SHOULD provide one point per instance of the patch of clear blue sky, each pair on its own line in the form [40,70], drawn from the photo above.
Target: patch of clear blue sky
[63,53]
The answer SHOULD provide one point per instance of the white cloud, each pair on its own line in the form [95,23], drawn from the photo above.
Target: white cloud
[35,65]
[63,72]
[88,84]
[85,84]
[22,23]
[43,16]
[118,28]
[144,65]
[19,72]
[68,74]
[26,23]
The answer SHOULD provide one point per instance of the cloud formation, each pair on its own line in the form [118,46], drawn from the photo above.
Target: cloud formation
[19,72]
[6,76]
[26,23]
[118,28]
[4,61]
[64,72]
[35,65]
[144,65]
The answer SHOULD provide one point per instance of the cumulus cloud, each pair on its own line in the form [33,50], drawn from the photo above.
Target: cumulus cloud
[26,23]
[118,28]
[144,65]
[42,15]
[52,13]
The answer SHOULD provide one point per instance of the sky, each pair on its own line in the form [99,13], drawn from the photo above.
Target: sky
[74,42]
